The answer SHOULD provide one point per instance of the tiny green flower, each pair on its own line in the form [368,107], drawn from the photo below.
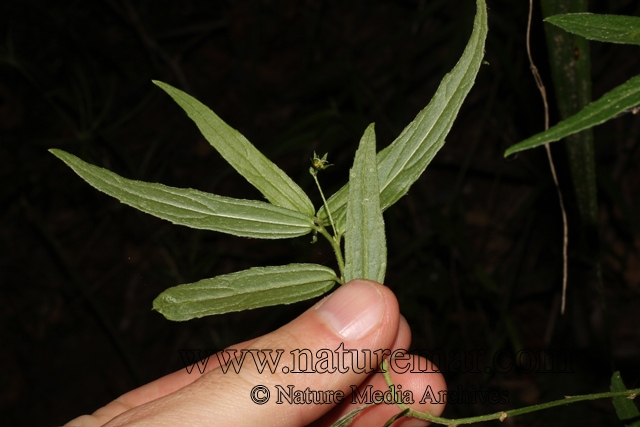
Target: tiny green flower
[319,163]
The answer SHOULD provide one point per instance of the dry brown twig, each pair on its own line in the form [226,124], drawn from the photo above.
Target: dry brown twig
[543,93]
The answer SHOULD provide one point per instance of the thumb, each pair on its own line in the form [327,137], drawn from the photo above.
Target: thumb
[322,350]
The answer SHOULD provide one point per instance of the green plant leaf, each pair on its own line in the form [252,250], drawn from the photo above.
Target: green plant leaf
[625,408]
[622,98]
[602,28]
[244,290]
[261,172]
[402,162]
[365,245]
[194,208]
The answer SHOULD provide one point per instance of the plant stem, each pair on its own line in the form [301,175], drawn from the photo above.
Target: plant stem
[543,93]
[326,205]
[502,415]
[335,242]
[335,239]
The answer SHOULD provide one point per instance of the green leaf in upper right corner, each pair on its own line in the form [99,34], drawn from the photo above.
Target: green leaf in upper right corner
[622,98]
[602,28]
[625,408]
[365,245]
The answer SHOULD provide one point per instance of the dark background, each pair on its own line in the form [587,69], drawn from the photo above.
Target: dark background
[474,248]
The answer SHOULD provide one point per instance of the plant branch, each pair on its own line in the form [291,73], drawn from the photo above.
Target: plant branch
[543,93]
[631,394]
[335,239]
[326,205]
[335,242]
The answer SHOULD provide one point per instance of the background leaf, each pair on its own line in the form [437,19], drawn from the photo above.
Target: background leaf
[622,98]
[261,172]
[402,162]
[365,244]
[570,62]
[569,57]
[625,408]
[603,28]
[253,288]
[193,208]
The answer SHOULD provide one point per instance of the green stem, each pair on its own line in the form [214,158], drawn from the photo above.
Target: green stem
[326,205]
[502,415]
[335,242]
[335,239]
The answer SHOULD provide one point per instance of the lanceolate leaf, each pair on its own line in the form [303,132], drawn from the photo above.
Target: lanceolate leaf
[602,28]
[253,288]
[365,245]
[194,208]
[625,408]
[263,174]
[624,97]
[402,163]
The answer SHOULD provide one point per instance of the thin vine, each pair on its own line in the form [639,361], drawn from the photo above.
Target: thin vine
[408,412]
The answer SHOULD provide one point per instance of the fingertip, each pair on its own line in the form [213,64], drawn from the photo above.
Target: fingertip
[428,387]
[403,337]
[391,301]
[359,308]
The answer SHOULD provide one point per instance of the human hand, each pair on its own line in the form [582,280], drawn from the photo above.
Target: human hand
[361,315]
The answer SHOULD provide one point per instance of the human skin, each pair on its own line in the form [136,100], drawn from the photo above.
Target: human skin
[359,315]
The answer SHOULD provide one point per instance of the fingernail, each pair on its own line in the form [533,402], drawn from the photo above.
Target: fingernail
[354,310]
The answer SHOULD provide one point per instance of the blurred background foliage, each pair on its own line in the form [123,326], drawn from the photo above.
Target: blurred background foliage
[474,248]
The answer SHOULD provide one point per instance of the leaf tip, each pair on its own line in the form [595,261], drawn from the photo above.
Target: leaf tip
[158,309]
[162,85]
[509,151]
[58,153]
[370,133]
[370,129]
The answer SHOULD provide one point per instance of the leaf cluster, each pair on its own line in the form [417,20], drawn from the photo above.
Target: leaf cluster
[376,182]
